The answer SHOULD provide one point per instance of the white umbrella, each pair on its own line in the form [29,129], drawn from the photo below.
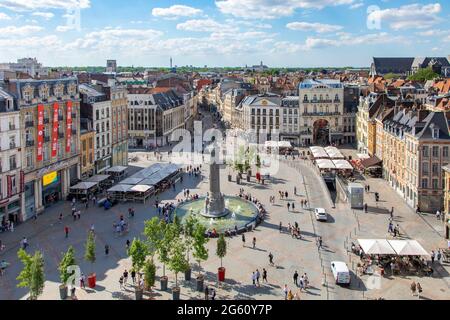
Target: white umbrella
[376,246]
[408,248]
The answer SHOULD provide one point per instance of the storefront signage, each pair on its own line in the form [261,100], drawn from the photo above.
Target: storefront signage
[9,181]
[40,128]
[50,178]
[55,130]
[69,126]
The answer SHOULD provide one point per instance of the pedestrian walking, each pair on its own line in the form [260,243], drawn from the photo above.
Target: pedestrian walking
[419,290]
[121,282]
[106,249]
[60,217]
[295,191]
[66,231]
[125,277]
[82,281]
[254,242]
[258,276]
[288,206]
[438,215]
[439,255]
[319,242]
[213,295]
[264,275]
[281,227]
[293,207]
[206,293]
[133,276]
[285,291]
[127,244]
[413,288]
[286,195]
[271,259]
[243,240]
[254,278]
[296,278]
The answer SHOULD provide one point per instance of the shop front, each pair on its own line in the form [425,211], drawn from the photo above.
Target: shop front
[10,210]
[51,188]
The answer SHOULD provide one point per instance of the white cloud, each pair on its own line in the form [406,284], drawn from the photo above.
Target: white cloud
[64,28]
[4,16]
[46,42]
[10,31]
[433,32]
[410,16]
[272,9]
[357,5]
[205,25]
[176,11]
[27,5]
[251,24]
[317,27]
[45,15]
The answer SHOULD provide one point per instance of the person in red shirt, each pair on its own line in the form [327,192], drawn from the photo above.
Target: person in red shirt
[66,230]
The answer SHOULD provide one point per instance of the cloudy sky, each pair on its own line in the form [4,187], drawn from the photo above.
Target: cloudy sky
[282,33]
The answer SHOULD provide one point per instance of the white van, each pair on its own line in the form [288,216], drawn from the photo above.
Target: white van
[340,272]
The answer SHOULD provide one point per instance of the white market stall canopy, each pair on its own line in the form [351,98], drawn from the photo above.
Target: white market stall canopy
[363,156]
[334,153]
[408,248]
[376,246]
[140,188]
[319,152]
[325,164]
[396,247]
[278,144]
[120,188]
[342,165]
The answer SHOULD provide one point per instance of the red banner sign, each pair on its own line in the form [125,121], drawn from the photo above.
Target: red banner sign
[40,128]
[9,182]
[69,126]
[55,130]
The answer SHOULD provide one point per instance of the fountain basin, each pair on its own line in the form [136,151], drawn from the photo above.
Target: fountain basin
[239,213]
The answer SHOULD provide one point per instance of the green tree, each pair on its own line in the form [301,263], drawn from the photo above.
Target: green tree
[154,232]
[423,75]
[138,253]
[221,248]
[67,260]
[89,254]
[149,274]
[32,276]
[177,259]
[199,244]
[391,76]
[188,232]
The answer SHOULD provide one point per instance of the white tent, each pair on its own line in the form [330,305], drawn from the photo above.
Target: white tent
[363,156]
[376,246]
[408,248]
[343,164]
[334,153]
[319,152]
[325,164]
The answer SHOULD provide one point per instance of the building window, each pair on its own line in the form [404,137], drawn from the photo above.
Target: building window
[445,152]
[435,169]
[425,151]
[424,183]
[425,168]
[435,152]
[29,159]
[12,162]
[435,184]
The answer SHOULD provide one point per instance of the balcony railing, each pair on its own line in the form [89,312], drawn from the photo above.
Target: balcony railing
[29,124]
[321,114]
[318,101]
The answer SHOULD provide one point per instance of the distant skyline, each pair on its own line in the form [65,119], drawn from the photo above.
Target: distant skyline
[222,33]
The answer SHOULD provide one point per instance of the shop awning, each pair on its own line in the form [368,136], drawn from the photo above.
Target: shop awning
[140,188]
[334,153]
[319,152]
[117,169]
[376,246]
[84,186]
[98,178]
[371,162]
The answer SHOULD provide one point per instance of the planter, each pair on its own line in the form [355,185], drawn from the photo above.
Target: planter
[176,293]
[63,292]
[200,282]
[92,279]
[221,274]
[139,294]
[164,281]
[187,274]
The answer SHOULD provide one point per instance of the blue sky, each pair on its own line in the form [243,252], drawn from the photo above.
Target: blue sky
[282,33]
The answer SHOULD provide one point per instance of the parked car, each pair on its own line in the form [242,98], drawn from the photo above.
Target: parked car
[341,272]
[321,214]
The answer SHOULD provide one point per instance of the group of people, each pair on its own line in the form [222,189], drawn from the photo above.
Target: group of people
[256,275]
[394,231]
[123,280]
[121,226]
[294,230]
[288,295]
[7,226]
[303,282]
[194,171]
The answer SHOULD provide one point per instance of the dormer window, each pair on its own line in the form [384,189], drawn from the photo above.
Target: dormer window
[44,92]
[435,133]
[28,93]
[72,89]
[58,90]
